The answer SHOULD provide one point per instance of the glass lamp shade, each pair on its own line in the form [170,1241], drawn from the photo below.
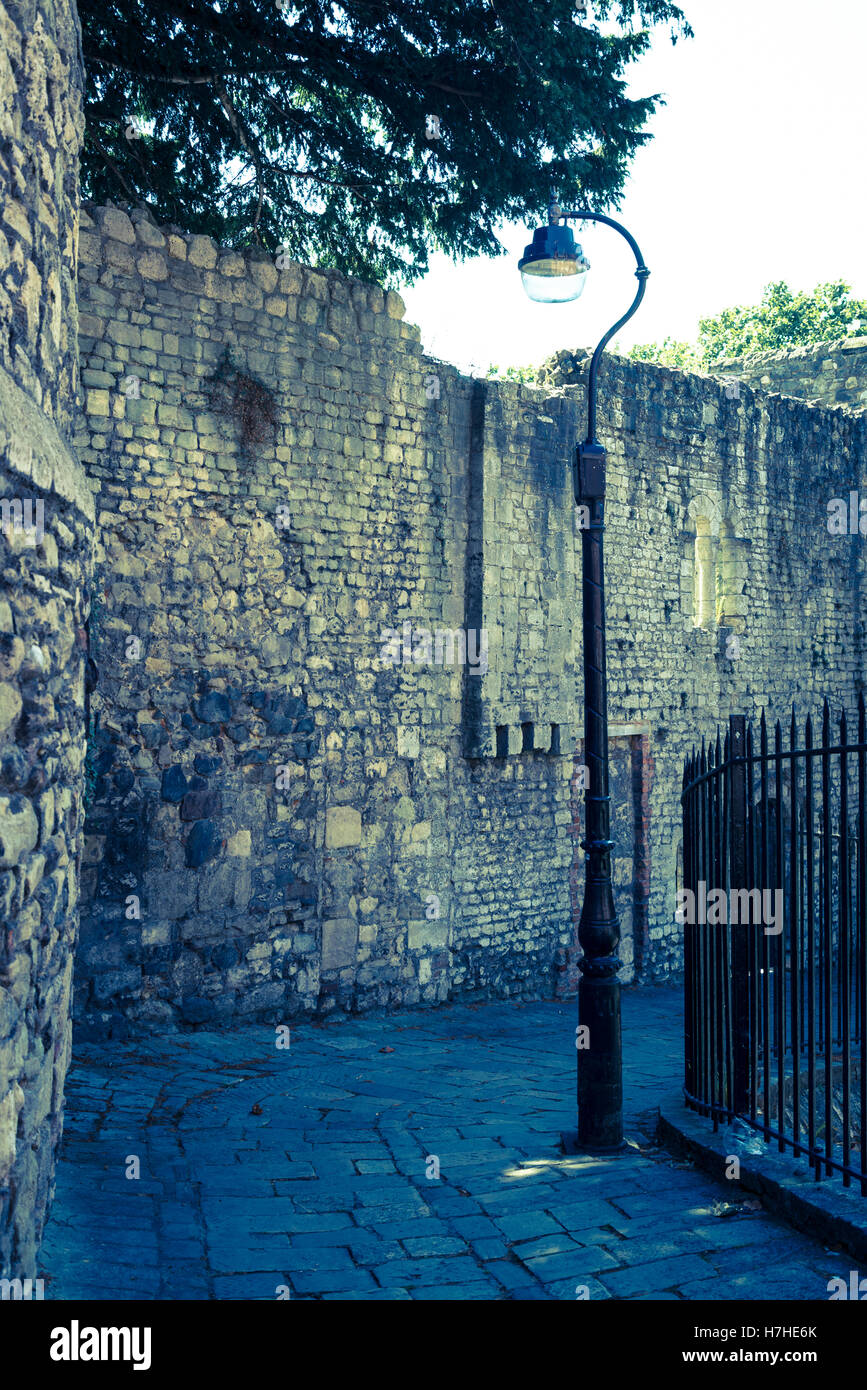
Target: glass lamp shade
[553,268]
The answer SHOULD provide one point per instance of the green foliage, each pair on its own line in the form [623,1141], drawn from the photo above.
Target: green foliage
[671,352]
[362,136]
[783,319]
[527,375]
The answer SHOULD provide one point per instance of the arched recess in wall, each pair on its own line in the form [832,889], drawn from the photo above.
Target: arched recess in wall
[731,573]
[699,561]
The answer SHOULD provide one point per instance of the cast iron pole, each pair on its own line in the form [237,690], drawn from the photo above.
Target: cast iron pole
[600,1066]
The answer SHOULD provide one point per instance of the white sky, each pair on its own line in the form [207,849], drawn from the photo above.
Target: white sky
[756,172]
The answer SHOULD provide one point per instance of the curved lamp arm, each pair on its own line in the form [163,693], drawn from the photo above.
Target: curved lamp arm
[641,273]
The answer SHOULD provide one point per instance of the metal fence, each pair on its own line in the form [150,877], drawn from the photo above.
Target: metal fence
[774,908]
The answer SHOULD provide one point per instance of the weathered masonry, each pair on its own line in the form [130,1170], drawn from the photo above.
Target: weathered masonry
[336,757]
[45,543]
[831,373]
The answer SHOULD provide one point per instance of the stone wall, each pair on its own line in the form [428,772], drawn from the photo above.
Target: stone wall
[304,800]
[285,819]
[45,542]
[832,373]
[726,591]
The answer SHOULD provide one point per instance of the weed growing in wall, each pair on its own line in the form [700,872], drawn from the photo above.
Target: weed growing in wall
[236,395]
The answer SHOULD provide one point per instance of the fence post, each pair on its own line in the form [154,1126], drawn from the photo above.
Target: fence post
[740,993]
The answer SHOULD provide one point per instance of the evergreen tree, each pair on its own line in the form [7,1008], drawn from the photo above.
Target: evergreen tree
[360,134]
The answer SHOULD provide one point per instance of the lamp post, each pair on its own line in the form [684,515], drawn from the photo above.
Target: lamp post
[553,271]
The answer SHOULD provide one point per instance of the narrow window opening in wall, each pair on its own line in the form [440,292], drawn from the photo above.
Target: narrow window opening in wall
[502,733]
[555,738]
[527,738]
[731,577]
[705,579]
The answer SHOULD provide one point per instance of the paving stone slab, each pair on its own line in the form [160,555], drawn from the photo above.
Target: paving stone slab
[571,1264]
[655,1276]
[454,1270]
[527,1225]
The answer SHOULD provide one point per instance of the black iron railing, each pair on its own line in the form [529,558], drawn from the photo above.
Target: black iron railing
[774,908]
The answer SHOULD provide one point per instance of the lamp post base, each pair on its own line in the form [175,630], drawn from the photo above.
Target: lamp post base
[571,1144]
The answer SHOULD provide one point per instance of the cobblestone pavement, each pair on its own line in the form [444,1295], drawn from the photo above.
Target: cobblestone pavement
[307,1168]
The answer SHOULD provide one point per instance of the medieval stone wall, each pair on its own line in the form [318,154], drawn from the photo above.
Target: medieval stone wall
[727,593]
[834,373]
[305,800]
[45,543]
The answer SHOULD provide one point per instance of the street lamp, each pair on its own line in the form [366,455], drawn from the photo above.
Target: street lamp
[553,271]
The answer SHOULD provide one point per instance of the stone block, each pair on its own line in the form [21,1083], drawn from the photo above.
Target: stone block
[339,943]
[213,708]
[170,894]
[202,804]
[113,982]
[10,701]
[342,827]
[152,266]
[265,996]
[202,252]
[428,936]
[394,305]
[10,1105]
[239,845]
[19,829]
[115,224]
[408,742]
[216,887]
[204,843]
[174,784]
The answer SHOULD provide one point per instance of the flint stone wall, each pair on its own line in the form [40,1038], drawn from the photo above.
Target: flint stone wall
[301,807]
[46,524]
